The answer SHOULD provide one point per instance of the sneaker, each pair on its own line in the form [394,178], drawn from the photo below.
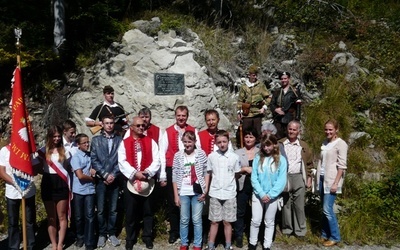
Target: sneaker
[209,248]
[114,241]
[172,239]
[101,242]
[184,247]
[196,248]
[229,248]
[252,247]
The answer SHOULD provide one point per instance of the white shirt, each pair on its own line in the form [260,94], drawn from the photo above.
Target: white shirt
[293,154]
[223,168]
[70,147]
[128,170]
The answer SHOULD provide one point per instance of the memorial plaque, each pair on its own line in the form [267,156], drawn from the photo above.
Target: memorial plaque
[169,84]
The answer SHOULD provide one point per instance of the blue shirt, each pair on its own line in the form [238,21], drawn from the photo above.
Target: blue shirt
[81,160]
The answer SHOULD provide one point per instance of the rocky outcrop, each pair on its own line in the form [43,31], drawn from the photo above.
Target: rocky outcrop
[129,66]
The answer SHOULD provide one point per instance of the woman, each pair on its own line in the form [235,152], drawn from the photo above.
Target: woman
[190,188]
[246,156]
[268,179]
[331,168]
[55,186]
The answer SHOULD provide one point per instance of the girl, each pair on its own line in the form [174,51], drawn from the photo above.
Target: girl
[268,179]
[331,167]
[190,188]
[55,186]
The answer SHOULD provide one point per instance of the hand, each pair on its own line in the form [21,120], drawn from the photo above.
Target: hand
[261,111]
[177,202]
[202,197]
[265,199]
[279,111]
[110,179]
[92,172]
[163,183]
[334,188]
[140,176]
[239,116]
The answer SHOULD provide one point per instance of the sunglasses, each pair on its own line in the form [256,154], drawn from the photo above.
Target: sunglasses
[139,125]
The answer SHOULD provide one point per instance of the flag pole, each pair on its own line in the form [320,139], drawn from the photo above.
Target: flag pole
[18,33]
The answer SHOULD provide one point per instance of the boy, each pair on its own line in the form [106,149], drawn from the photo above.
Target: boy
[222,166]
[84,193]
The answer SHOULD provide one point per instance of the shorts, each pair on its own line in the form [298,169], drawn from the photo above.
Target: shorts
[222,210]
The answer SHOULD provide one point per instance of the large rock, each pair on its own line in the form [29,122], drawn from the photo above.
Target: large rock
[130,66]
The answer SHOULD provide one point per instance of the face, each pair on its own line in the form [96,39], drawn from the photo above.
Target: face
[146,119]
[268,149]
[108,125]
[181,117]
[330,131]
[109,97]
[188,144]
[249,141]
[56,138]
[252,77]
[138,126]
[212,121]
[284,81]
[70,134]
[222,143]
[84,144]
[293,131]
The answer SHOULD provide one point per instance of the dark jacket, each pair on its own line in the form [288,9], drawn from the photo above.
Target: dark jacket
[288,104]
[105,162]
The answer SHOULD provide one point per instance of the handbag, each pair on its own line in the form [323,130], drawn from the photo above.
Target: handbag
[246,108]
[197,188]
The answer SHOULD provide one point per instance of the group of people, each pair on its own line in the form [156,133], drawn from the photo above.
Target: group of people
[199,173]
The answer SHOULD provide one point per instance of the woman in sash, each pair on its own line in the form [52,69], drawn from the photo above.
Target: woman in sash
[55,186]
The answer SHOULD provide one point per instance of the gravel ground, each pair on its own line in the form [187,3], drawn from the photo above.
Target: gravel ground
[159,245]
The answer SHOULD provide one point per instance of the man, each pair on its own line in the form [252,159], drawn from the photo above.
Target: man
[171,143]
[150,130]
[207,136]
[110,108]
[104,158]
[69,133]
[284,105]
[14,203]
[300,163]
[139,162]
[252,102]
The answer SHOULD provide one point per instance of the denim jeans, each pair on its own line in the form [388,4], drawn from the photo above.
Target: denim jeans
[107,200]
[84,218]
[190,204]
[330,226]
[13,208]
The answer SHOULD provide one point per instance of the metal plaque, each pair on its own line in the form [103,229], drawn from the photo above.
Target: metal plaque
[169,84]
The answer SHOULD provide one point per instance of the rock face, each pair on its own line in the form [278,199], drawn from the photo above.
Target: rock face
[129,67]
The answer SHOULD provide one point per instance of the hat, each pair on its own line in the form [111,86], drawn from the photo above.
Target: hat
[108,89]
[142,188]
[253,69]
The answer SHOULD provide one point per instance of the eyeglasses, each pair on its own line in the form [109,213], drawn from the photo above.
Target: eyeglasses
[140,125]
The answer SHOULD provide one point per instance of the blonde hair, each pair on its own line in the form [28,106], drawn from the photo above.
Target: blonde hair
[267,140]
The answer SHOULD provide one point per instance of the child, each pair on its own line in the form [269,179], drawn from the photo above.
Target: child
[190,188]
[268,179]
[222,165]
[84,193]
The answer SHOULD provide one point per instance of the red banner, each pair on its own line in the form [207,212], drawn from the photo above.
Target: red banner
[22,141]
